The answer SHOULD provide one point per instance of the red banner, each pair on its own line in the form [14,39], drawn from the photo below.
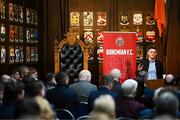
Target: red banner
[120,52]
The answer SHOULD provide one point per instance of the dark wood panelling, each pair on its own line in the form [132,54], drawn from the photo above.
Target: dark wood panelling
[113,7]
[173,38]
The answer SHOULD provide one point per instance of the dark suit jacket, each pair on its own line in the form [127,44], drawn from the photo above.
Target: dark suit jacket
[117,88]
[158,64]
[95,94]
[64,97]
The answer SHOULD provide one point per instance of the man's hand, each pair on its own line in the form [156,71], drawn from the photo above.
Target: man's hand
[140,67]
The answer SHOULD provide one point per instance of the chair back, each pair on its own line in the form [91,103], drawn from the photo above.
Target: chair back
[85,117]
[64,114]
[71,56]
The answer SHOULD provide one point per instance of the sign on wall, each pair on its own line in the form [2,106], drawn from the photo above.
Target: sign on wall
[120,52]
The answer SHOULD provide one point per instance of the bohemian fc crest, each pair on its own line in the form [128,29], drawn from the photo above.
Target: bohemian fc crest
[119,41]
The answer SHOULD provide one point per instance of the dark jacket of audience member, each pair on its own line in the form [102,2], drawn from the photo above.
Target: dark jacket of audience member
[127,106]
[14,91]
[63,97]
[116,73]
[107,84]
[167,104]
[50,82]
[34,88]
[27,108]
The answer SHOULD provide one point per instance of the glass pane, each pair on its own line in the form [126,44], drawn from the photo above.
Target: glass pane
[27,54]
[3,54]
[11,54]
[3,33]
[11,33]
[2,9]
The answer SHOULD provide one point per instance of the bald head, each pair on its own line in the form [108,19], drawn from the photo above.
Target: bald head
[85,75]
[169,79]
[116,73]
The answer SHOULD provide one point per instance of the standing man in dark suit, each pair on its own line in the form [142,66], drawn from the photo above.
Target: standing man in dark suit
[150,64]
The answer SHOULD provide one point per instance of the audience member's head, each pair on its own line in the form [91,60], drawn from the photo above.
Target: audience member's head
[104,105]
[129,88]
[35,88]
[142,76]
[20,90]
[85,75]
[62,78]
[33,72]
[5,78]
[11,91]
[1,92]
[28,78]
[50,78]
[116,73]
[108,81]
[156,93]
[27,108]
[167,103]
[169,79]
[15,74]
[23,71]
[46,112]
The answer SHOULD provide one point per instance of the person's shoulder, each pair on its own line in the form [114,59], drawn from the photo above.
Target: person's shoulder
[92,85]
[144,60]
[159,61]
[73,85]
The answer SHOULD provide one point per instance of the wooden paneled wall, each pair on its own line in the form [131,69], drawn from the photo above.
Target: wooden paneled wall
[56,21]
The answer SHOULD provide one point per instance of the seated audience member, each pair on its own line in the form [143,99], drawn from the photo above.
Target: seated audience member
[33,72]
[144,94]
[35,88]
[63,97]
[116,73]
[149,113]
[15,74]
[127,106]
[27,108]
[46,112]
[13,91]
[169,80]
[103,108]
[141,79]
[23,71]
[167,104]
[1,93]
[105,88]
[50,82]
[84,87]
[5,78]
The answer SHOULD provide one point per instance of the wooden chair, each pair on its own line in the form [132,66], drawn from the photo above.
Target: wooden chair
[70,55]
